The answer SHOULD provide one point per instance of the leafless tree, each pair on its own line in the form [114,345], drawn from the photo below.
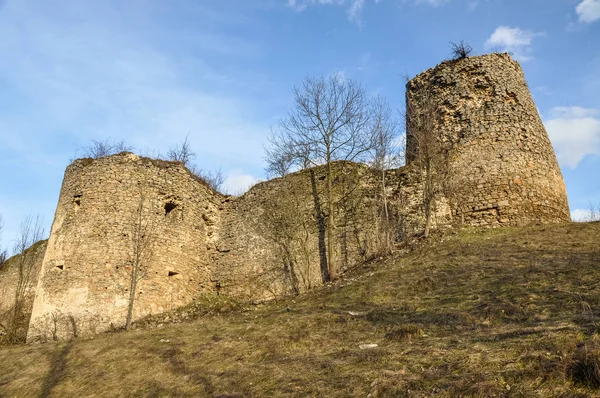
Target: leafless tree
[182,153]
[329,121]
[460,50]
[30,232]
[99,149]
[593,213]
[3,253]
[424,145]
[387,152]
[279,155]
[214,178]
[142,239]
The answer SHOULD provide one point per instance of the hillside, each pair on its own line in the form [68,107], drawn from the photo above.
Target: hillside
[503,312]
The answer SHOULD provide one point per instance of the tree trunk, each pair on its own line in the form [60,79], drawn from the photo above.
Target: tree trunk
[387,215]
[133,287]
[137,258]
[330,224]
[428,196]
[325,277]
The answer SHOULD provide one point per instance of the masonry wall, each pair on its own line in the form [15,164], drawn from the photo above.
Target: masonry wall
[9,280]
[503,166]
[268,242]
[274,235]
[272,241]
[85,277]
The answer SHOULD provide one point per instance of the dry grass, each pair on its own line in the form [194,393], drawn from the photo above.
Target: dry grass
[496,313]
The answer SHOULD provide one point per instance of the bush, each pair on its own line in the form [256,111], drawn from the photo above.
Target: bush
[584,367]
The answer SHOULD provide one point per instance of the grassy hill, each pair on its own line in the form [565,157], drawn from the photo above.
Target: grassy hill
[506,312]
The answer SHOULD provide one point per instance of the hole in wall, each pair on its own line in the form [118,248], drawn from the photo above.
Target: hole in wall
[77,201]
[173,273]
[60,267]
[169,207]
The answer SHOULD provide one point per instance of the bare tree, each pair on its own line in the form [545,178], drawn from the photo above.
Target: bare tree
[387,152]
[99,149]
[460,50]
[329,121]
[142,239]
[3,253]
[30,232]
[279,155]
[214,178]
[182,153]
[424,145]
[593,213]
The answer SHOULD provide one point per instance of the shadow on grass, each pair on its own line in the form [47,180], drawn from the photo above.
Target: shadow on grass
[58,364]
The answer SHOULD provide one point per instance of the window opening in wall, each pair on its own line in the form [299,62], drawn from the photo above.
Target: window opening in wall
[169,207]
[173,273]
[60,267]
[77,201]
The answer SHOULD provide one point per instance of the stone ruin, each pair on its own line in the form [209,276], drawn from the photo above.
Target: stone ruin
[268,241]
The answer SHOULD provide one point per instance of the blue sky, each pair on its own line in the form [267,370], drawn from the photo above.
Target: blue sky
[152,71]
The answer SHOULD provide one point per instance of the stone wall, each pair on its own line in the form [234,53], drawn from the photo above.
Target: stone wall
[268,242]
[502,163]
[272,240]
[9,280]
[276,231]
[86,272]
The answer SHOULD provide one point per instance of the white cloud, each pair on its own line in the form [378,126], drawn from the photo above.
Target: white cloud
[433,3]
[91,70]
[355,11]
[572,112]
[588,11]
[238,183]
[514,40]
[579,215]
[583,215]
[354,7]
[574,133]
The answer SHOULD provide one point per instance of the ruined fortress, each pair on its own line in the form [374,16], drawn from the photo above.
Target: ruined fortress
[269,241]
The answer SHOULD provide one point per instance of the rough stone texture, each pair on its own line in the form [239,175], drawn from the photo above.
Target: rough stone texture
[271,240]
[86,270]
[502,160]
[257,246]
[9,280]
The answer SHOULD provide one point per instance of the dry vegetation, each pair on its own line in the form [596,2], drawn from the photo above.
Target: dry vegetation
[507,312]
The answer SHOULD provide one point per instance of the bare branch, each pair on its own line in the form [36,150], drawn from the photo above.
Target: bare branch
[460,50]
[99,149]
[182,153]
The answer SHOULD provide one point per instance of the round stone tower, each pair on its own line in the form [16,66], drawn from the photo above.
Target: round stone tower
[502,169]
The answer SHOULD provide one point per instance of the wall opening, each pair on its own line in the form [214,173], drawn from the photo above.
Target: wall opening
[77,201]
[59,267]
[169,207]
[173,273]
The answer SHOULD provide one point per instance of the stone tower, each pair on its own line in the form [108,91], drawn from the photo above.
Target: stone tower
[502,163]
[103,205]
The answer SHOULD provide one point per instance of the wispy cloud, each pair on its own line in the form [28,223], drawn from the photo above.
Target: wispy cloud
[237,182]
[354,8]
[588,11]
[514,40]
[87,70]
[575,133]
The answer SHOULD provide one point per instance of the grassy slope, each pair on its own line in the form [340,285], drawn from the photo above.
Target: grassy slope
[492,313]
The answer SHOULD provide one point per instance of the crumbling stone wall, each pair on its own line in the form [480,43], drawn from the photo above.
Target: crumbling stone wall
[85,278]
[502,163]
[272,240]
[263,244]
[275,233]
[9,280]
